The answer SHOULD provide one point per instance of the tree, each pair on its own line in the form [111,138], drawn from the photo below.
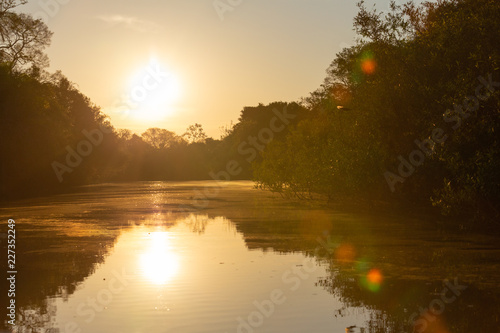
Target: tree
[195,134]
[160,138]
[124,134]
[6,5]
[226,130]
[22,38]
[414,70]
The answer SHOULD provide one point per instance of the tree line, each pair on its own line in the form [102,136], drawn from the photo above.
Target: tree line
[411,112]
[54,137]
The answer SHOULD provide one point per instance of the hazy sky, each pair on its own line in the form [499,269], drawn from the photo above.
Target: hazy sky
[172,63]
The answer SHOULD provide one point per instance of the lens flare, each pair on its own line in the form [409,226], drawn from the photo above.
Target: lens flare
[372,280]
[367,63]
[368,66]
[374,276]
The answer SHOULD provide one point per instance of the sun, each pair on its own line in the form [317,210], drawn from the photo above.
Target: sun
[159,264]
[152,92]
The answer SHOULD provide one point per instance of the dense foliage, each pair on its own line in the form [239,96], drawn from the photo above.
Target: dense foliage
[411,111]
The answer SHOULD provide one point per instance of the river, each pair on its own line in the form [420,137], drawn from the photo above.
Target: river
[151,257]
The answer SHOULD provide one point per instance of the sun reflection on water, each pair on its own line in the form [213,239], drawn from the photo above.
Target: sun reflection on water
[159,263]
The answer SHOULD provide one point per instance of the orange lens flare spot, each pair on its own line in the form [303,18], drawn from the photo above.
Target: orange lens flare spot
[345,253]
[375,276]
[373,280]
[368,66]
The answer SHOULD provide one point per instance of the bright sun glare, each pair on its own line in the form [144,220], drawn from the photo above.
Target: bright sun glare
[159,264]
[153,90]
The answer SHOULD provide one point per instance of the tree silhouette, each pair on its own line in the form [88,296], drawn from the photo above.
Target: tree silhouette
[22,38]
[160,138]
[195,134]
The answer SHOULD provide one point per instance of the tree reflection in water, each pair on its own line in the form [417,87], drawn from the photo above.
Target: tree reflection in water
[390,276]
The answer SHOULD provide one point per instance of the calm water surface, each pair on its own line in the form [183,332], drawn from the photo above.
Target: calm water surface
[194,257]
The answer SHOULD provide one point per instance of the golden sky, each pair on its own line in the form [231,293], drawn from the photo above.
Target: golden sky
[172,63]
